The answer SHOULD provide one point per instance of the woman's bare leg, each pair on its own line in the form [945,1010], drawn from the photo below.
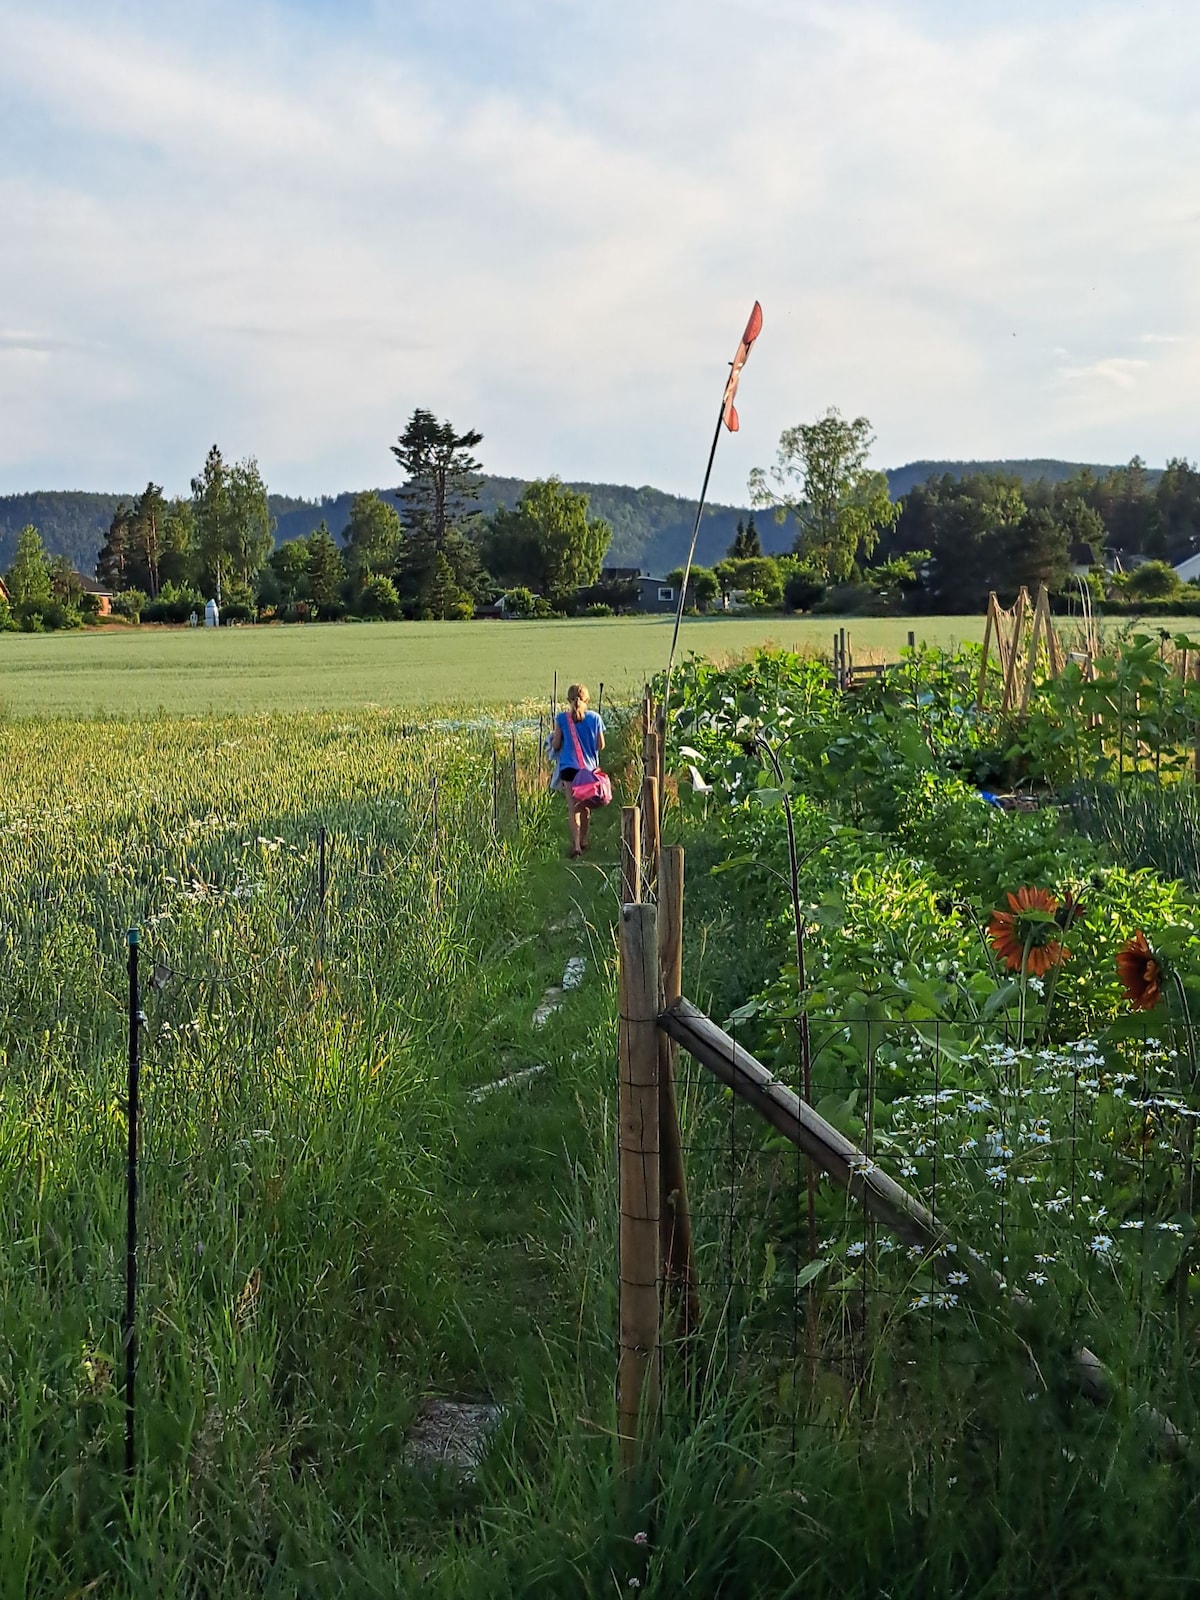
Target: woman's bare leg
[573,824]
[585,818]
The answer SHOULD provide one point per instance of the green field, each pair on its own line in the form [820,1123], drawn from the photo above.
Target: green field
[185,672]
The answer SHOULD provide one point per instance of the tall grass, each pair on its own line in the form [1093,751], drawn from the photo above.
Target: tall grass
[1145,825]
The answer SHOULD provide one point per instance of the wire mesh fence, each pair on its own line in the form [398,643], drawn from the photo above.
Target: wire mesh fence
[1062,1177]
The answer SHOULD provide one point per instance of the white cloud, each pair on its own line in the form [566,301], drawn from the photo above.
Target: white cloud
[288,241]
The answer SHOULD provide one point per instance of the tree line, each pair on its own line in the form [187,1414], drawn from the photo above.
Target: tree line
[431,554]
[950,541]
[428,550]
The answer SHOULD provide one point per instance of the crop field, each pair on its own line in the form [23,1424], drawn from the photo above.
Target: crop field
[125,672]
[333,1225]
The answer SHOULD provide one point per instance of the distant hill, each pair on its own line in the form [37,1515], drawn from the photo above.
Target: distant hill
[902,479]
[650,529]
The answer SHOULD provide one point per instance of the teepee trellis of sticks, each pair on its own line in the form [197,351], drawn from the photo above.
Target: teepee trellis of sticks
[1020,632]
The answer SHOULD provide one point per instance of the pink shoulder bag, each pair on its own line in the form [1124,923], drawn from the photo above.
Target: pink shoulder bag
[590,788]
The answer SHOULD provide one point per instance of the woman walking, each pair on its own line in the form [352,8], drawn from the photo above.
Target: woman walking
[577,741]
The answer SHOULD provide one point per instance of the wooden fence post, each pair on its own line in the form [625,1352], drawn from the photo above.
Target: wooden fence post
[639,1238]
[631,855]
[679,1270]
[650,829]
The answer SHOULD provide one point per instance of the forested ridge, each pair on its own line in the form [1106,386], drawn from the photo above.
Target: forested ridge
[650,528]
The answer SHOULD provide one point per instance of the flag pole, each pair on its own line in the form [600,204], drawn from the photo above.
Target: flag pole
[712,454]
[726,417]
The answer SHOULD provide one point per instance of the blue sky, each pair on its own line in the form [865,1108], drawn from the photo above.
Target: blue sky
[283,226]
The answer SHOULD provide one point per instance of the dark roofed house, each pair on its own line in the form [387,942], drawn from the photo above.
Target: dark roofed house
[103,596]
[657,595]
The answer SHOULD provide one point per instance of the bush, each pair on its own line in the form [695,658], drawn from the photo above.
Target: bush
[802,590]
[175,602]
[597,611]
[129,603]
[618,596]
[1184,606]
[89,606]
[378,598]
[1153,580]
[524,603]
[851,599]
[47,616]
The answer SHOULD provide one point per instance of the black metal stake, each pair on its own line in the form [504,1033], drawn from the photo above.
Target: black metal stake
[131,1192]
[322,889]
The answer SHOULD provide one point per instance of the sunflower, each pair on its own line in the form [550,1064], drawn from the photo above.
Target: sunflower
[1018,938]
[1140,972]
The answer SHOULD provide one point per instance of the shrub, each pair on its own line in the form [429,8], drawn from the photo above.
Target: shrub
[378,598]
[524,603]
[174,602]
[1153,580]
[129,603]
[620,595]
[47,616]
[599,610]
[851,599]
[802,589]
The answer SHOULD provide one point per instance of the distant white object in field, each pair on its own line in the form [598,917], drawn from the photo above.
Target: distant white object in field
[193,620]
[212,615]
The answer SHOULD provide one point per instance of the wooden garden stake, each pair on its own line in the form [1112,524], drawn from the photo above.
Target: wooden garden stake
[1053,648]
[631,855]
[679,1270]
[640,1259]
[1014,651]
[987,642]
[1041,618]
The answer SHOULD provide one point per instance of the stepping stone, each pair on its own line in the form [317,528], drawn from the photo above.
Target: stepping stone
[505,1083]
[548,1005]
[573,976]
[451,1436]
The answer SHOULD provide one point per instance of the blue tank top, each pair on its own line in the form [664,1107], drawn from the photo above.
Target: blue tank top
[589,731]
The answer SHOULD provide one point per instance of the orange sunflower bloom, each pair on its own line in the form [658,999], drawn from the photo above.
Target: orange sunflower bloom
[1017,939]
[1140,973]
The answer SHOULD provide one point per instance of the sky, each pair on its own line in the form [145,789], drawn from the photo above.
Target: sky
[281,225]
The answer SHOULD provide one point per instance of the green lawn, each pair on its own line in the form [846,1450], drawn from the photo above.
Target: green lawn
[128,671]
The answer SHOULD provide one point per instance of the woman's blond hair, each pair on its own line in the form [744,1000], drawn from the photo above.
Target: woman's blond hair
[578,698]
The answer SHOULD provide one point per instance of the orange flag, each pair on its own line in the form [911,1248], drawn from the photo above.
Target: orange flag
[753,328]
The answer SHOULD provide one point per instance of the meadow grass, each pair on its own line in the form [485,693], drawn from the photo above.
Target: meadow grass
[334,1226]
[124,672]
